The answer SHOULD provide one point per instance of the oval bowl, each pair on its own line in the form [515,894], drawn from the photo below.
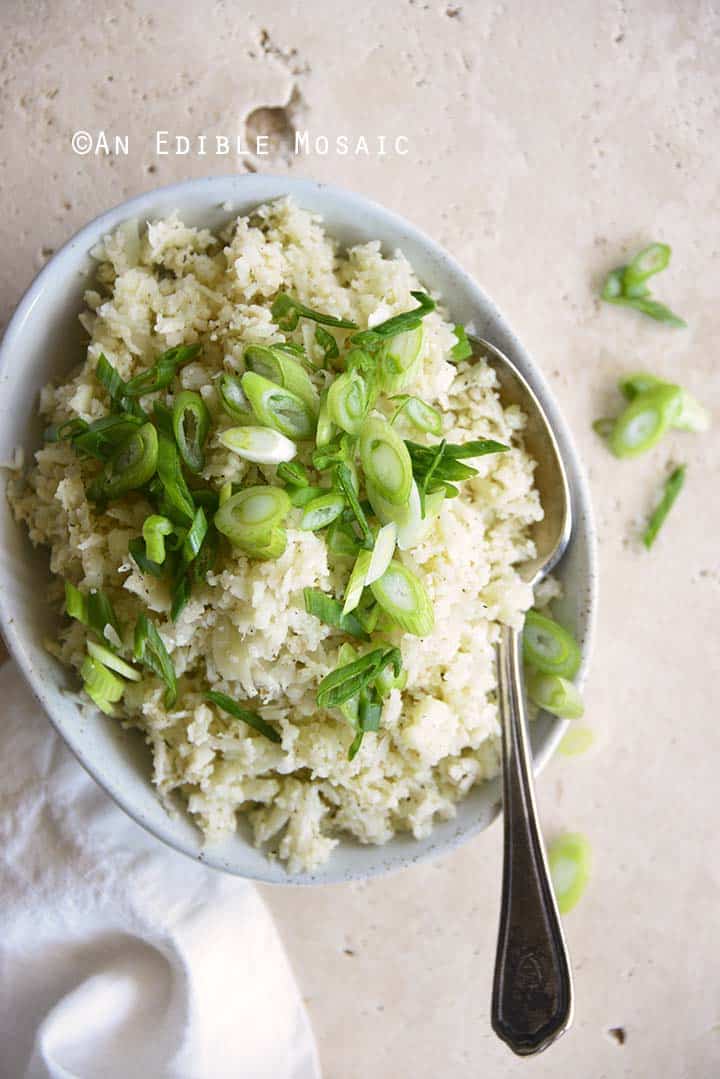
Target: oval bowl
[44,339]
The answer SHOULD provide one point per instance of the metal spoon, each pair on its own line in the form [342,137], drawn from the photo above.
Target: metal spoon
[532,989]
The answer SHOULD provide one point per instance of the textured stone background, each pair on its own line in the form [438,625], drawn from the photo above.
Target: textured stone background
[546,141]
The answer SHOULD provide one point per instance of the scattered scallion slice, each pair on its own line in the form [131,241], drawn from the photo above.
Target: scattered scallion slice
[576,740]
[348,401]
[554,694]
[113,661]
[279,408]
[100,615]
[287,311]
[233,399]
[321,511]
[419,413]
[174,486]
[402,595]
[399,360]
[548,647]
[293,473]
[300,496]
[625,285]
[385,460]
[398,324]
[673,486]
[227,704]
[269,548]
[248,517]
[463,349]
[75,603]
[325,428]
[152,653]
[131,466]
[225,492]
[162,372]
[346,482]
[351,678]
[691,415]
[356,583]
[193,540]
[382,552]
[155,529]
[262,445]
[644,421]
[329,610]
[412,527]
[570,865]
[278,367]
[327,343]
[191,424]
[102,686]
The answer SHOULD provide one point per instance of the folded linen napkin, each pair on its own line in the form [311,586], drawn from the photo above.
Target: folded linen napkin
[118,956]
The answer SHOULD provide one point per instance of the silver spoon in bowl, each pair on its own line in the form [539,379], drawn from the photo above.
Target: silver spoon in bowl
[532,999]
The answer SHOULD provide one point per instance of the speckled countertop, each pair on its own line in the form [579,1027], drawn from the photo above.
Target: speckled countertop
[544,142]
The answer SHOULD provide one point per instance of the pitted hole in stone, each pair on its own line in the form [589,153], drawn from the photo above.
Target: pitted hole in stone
[275,124]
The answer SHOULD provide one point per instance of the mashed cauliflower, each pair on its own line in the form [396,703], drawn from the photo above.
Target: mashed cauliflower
[245,631]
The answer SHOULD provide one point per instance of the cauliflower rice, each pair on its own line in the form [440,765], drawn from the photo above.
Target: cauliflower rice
[245,631]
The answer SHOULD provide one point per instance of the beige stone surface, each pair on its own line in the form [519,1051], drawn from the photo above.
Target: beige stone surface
[545,141]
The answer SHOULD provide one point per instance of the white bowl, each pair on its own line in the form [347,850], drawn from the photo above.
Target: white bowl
[44,339]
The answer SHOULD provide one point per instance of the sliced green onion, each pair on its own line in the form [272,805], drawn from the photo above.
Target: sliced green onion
[463,349]
[548,647]
[162,417]
[295,474]
[322,511]
[114,662]
[234,400]
[570,864]
[325,429]
[262,445]
[405,322]
[348,401]
[248,518]
[278,408]
[154,530]
[110,379]
[577,740]
[225,492]
[411,525]
[399,360]
[191,424]
[269,548]
[162,372]
[101,685]
[131,466]
[103,436]
[195,535]
[402,595]
[644,421]
[137,551]
[227,704]
[300,496]
[346,481]
[70,429]
[175,488]
[100,614]
[351,678]
[282,369]
[339,451]
[554,694]
[387,681]
[356,584]
[382,552]
[76,603]
[385,460]
[287,311]
[341,539]
[152,653]
[180,595]
[420,414]
[329,610]
[327,343]
[672,488]
[649,261]
[691,416]
[206,557]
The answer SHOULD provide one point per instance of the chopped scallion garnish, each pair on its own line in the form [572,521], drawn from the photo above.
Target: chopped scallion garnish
[191,424]
[252,719]
[570,865]
[152,653]
[673,486]
[287,312]
[329,610]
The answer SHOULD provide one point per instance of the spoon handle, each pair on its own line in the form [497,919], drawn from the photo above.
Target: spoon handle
[532,989]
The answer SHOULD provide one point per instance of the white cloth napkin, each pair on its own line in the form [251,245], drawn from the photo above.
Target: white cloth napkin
[120,959]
